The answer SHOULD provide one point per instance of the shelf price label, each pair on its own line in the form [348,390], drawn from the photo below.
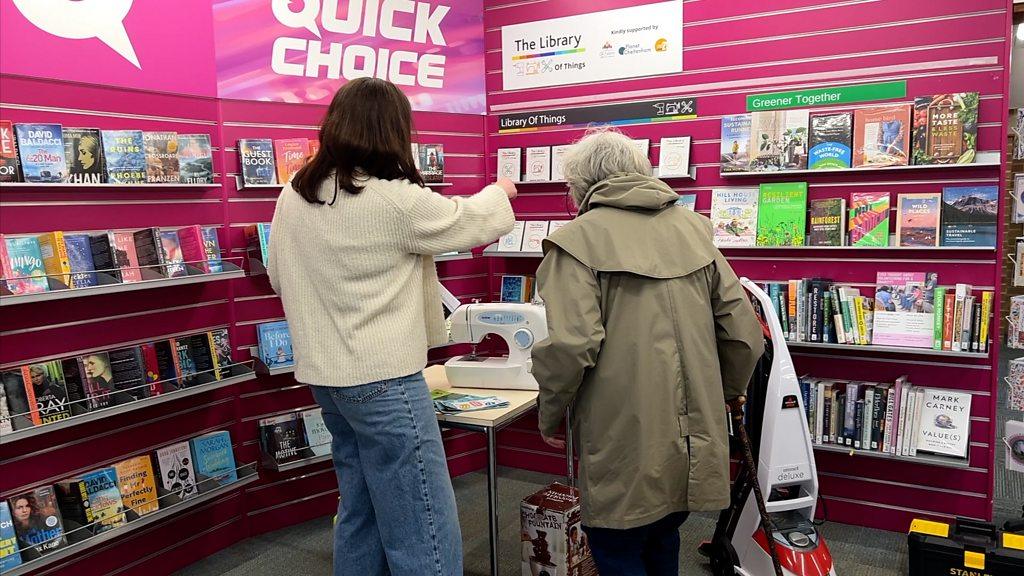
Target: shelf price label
[827,96]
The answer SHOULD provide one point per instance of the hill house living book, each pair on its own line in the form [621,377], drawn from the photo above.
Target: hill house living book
[195,159]
[83,149]
[282,438]
[41,148]
[125,155]
[917,219]
[946,128]
[969,215]
[734,216]
[782,214]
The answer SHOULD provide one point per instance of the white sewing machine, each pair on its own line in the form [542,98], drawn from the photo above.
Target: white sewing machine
[520,325]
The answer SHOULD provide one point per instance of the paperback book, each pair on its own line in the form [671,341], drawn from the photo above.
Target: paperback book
[794,139]
[9,169]
[766,128]
[538,164]
[21,409]
[289,157]
[782,214]
[689,201]
[827,226]
[946,128]
[969,215]
[945,422]
[125,256]
[37,520]
[137,485]
[171,255]
[869,219]
[162,165]
[211,247]
[881,136]
[509,164]
[257,161]
[193,248]
[41,150]
[736,141]
[275,344]
[214,460]
[831,139]
[48,390]
[9,555]
[83,270]
[318,437]
[55,257]
[221,349]
[282,438]
[128,369]
[104,499]
[534,234]
[103,257]
[734,216]
[24,270]
[175,470]
[257,238]
[917,219]
[148,251]
[98,378]
[513,241]
[674,157]
[125,155]
[904,309]
[83,149]
[432,163]
[195,159]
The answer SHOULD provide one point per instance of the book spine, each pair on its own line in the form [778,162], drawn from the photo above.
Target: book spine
[819,412]
[958,316]
[878,417]
[858,431]
[794,290]
[891,415]
[901,428]
[801,301]
[862,326]
[965,328]
[826,316]
[814,296]
[916,428]
[947,321]
[773,295]
[839,414]
[938,304]
[986,313]
[783,308]
[812,410]
[976,328]
[826,418]
[850,416]
[849,321]
[837,315]
[866,419]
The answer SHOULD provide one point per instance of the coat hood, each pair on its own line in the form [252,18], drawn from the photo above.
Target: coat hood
[629,192]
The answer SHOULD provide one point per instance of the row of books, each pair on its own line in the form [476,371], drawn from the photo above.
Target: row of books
[275,344]
[73,260]
[776,214]
[264,161]
[50,153]
[894,418]
[908,309]
[294,436]
[518,288]
[47,392]
[257,240]
[545,163]
[48,518]
[938,129]
[528,236]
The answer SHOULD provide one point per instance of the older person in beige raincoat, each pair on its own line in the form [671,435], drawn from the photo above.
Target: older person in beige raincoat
[650,333]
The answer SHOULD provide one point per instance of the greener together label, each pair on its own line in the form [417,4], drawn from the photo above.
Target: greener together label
[826,96]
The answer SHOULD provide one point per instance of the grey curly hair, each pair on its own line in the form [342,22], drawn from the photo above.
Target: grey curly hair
[601,153]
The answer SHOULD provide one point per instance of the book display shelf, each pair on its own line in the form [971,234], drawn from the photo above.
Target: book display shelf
[106,186]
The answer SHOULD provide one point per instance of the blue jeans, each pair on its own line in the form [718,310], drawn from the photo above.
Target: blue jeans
[651,550]
[397,513]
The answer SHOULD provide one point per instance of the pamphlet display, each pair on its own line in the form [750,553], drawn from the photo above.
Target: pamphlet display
[510,164]
[674,157]
[538,164]
[558,154]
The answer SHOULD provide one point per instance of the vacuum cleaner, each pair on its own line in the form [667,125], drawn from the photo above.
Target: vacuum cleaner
[768,527]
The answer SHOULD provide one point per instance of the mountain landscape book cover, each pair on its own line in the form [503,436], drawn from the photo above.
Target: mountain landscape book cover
[289,157]
[162,165]
[831,139]
[257,161]
[214,460]
[969,216]
[734,216]
[882,136]
[782,214]
[125,155]
[869,219]
[735,143]
[946,128]
[83,148]
[195,159]
[826,227]
[41,150]
[917,219]
[37,520]
[9,169]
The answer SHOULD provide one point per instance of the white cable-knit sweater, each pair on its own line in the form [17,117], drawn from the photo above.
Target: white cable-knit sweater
[358,280]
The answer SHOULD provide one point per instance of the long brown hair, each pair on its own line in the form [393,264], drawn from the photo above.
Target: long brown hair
[367,131]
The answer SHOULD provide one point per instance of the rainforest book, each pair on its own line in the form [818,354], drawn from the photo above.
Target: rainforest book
[869,219]
[969,215]
[735,146]
[734,216]
[917,219]
[83,148]
[41,150]
[289,157]
[782,214]
[9,169]
[827,226]
[214,460]
[946,128]
[125,155]
[195,159]
[831,139]
[257,161]
[881,136]
[162,165]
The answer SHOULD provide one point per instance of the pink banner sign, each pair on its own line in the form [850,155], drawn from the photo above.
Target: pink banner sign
[160,46]
[302,51]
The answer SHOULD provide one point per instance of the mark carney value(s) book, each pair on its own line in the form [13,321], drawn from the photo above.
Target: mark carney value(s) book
[782,214]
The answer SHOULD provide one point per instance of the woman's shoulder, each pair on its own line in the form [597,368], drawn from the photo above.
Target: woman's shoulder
[402,194]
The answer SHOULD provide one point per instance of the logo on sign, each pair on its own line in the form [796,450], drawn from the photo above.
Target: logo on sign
[661,45]
[83,19]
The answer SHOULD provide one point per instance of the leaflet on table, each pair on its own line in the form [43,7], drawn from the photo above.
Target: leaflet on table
[452,402]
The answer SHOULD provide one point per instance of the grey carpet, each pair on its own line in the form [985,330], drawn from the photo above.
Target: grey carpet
[305,549]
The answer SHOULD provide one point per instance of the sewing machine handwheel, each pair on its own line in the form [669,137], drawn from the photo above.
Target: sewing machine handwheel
[523,338]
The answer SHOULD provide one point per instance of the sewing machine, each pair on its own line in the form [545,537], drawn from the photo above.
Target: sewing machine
[520,325]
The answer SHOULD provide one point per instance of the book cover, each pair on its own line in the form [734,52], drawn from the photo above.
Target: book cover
[830,141]
[415,154]
[170,249]
[314,148]
[104,499]
[166,365]
[946,128]
[41,151]
[513,288]
[83,271]
[151,364]
[534,234]
[125,256]
[289,157]
[766,128]
[945,422]
[689,201]
[256,156]
[175,470]
[969,215]
[275,344]
[37,521]
[904,309]
[282,438]
[9,169]
[513,241]
[674,157]
[734,216]
[257,238]
[184,363]
[27,273]
[220,348]
[939,317]
[318,437]
[83,149]
[917,219]
[98,379]
[200,348]
[193,249]
[20,397]
[794,139]
[6,426]
[538,164]
[49,391]
[869,219]
[214,460]
[509,165]
[827,222]
[195,159]
[432,163]
[558,154]
[55,257]
[782,214]
[128,368]
[137,485]
[736,141]
[162,165]
[74,383]
[211,247]
[882,136]
[9,555]
[125,155]
[103,257]
[148,251]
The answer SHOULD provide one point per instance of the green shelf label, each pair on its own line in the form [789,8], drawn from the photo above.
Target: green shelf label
[827,96]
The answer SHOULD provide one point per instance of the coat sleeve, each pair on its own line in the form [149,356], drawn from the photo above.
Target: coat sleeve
[740,340]
[441,224]
[572,300]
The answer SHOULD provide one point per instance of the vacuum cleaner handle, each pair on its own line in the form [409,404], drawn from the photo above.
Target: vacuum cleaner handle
[570,459]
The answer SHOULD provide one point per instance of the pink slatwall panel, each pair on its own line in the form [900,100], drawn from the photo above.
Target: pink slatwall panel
[732,49]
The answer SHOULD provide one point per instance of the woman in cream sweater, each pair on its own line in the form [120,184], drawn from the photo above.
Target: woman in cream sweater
[350,255]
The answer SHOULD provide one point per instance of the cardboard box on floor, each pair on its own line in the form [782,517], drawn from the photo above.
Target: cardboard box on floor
[553,543]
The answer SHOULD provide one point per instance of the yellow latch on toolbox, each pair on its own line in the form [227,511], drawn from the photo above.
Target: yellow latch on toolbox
[974,560]
[930,528]
[1015,541]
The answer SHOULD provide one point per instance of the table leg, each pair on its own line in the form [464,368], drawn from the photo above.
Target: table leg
[492,496]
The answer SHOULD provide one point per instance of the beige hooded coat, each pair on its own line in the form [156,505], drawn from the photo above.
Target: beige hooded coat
[649,333]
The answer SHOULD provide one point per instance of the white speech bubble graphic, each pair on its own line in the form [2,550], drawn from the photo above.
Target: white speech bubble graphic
[81,19]
[305,18]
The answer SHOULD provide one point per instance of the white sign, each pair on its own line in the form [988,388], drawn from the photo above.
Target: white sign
[614,44]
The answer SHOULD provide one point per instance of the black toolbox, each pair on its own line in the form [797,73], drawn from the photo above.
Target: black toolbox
[966,548]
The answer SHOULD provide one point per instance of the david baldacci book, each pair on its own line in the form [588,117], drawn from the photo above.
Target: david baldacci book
[282,438]
[831,139]
[170,247]
[946,128]
[257,161]
[41,147]
[275,343]
[9,171]
[969,215]
[509,165]
[917,219]
[904,309]
[538,164]
[734,216]
[869,219]
[125,256]
[175,470]
[214,460]
[137,484]
[827,228]
[782,214]
[318,438]
[48,390]
[162,165]
[83,271]
[945,422]
[9,555]
[104,499]
[674,157]
[432,163]
[125,155]
[881,136]
[735,148]
[195,159]
[24,270]
[37,521]
[83,148]
[290,157]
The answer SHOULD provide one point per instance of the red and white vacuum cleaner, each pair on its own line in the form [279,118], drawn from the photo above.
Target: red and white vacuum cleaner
[777,496]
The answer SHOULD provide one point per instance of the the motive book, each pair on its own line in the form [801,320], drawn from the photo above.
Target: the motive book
[946,128]
[257,161]
[9,170]
[162,165]
[195,159]
[917,219]
[125,155]
[969,216]
[735,146]
[509,165]
[83,149]
[282,438]
[734,216]
[827,225]
[41,149]
[831,139]
[881,136]
[782,214]
[869,219]
[538,164]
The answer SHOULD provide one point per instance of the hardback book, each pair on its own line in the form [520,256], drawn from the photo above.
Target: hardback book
[214,460]
[103,256]
[282,438]
[55,256]
[48,391]
[83,149]
[170,249]
[766,128]
[74,383]
[513,241]
[125,155]
[558,154]
[6,427]
[162,164]
[275,344]
[148,251]
[175,470]
[509,165]
[794,139]
[831,139]
[782,214]
[75,506]
[534,233]
[185,364]
[904,309]
[736,142]
[200,349]
[538,164]
[256,156]
[24,270]
[734,216]
[827,226]
[221,351]
[318,437]
[257,237]
[432,163]
[289,157]
[104,499]
[37,520]
[41,151]
[881,136]
[83,271]
[9,555]
[9,169]
[161,358]
[513,288]
[125,256]
[961,295]
[969,215]
[946,128]
[21,403]
[688,201]
[137,485]
[674,157]
[945,422]
[151,363]
[211,246]
[869,219]
[98,378]
[917,219]
[195,159]
[939,317]
[128,368]
[193,249]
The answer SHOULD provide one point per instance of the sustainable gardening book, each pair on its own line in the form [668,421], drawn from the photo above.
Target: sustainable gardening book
[782,214]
